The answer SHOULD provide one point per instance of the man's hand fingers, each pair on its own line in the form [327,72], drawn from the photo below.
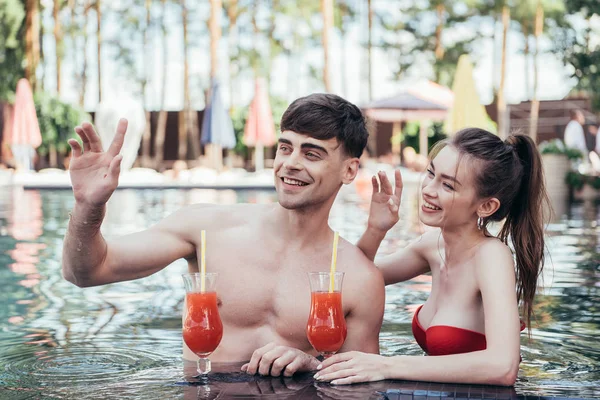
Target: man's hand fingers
[75,148]
[114,168]
[386,185]
[282,363]
[84,139]
[375,184]
[294,366]
[117,143]
[95,143]
[252,366]
[399,184]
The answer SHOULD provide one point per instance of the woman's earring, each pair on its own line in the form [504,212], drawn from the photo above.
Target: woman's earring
[479,223]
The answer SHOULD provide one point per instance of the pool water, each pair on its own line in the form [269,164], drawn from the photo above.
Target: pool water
[124,340]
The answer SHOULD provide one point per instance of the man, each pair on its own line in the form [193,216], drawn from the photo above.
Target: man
[574,135]
[261,252]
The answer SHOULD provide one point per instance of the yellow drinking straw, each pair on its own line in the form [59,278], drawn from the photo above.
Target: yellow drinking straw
[336,236]
[202,260]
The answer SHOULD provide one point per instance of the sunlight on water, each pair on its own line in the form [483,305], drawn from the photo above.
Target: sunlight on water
[124,339]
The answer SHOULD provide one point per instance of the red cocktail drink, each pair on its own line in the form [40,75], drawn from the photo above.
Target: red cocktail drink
[202,327]
[326,327]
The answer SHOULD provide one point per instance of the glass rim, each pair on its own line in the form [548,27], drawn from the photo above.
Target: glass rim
[324,273]
[199,274]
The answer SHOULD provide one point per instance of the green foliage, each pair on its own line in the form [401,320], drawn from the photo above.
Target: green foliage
[12,47]
[586,7]
[57,122]
[575,46]
[410,135]
[577,180]
[557,146]
[412,38]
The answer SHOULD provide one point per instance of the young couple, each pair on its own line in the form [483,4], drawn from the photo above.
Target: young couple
[469,324]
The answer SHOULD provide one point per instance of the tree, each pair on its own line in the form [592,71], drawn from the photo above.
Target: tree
[579,51]
[327,11]
[416,41]
[59,48]
[32,41]
[12,47]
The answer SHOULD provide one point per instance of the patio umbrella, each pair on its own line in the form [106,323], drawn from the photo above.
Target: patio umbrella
[217,128]
[260,129]
[25,136]
[467,110]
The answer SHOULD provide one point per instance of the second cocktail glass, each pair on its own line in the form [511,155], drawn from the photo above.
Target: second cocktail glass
[202,326]
[326,326]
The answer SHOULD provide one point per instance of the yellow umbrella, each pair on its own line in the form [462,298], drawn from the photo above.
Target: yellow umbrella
[467,111]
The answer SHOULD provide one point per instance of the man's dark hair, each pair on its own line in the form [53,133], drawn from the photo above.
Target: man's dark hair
[324,116]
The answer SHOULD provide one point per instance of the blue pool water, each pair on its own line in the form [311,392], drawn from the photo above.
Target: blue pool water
[124,340]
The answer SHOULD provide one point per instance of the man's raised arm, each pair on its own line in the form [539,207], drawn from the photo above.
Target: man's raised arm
[90,260]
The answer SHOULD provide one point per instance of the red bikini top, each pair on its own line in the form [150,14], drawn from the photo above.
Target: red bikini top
[439,340]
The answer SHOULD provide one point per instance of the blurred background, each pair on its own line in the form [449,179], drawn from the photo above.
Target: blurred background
[533,62]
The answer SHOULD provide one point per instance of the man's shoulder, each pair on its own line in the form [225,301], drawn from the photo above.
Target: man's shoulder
[362,269]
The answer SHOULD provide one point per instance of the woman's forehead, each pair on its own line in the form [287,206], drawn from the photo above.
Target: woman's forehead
[450,162]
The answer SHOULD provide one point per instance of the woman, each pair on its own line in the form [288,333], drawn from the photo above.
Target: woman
[470,323]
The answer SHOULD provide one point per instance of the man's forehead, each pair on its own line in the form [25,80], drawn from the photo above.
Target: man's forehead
[298,139]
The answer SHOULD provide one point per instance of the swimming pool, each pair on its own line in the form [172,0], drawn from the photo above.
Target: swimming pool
[124,340]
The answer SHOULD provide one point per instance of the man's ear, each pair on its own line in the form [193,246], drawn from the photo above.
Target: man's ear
[350,170]
[488,207]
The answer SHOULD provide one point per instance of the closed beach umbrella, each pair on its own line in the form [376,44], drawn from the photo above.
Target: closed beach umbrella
[217,128]
[25,136]
[259,130]
[467,111]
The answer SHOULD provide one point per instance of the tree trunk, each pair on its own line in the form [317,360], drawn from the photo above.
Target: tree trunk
[535,104]
[327,11]
[183,129]
[439,48]
[161,125]
[501,104]
[188,127]
[86,8]
[525,27]
[370,49]
[147,136]
[214,27]
[32,41]
[58,42]
[99,47]
[232,14]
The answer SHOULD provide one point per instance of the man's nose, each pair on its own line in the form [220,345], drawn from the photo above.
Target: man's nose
[293,161]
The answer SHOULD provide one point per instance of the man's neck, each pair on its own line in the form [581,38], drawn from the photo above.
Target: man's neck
[304,227]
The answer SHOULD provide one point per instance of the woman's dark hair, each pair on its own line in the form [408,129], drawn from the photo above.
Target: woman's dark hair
[324,116]
[512,172]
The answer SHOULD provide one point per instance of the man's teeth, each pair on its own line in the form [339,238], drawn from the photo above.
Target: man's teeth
[430,206]
[294,182]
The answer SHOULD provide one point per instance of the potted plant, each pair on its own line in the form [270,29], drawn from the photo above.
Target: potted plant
[585,187]
[557,160]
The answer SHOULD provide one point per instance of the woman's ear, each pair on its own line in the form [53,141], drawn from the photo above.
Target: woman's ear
[350,170]
[488,207]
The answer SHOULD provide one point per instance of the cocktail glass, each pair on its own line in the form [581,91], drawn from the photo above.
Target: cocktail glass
[326,326]
[202,326]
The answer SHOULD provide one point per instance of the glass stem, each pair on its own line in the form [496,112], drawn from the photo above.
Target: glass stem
[203,366]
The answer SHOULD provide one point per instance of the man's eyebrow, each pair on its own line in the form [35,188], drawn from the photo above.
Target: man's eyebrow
[446,176]
[305,146]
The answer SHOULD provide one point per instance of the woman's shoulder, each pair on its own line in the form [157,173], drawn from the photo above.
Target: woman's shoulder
[494,253]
